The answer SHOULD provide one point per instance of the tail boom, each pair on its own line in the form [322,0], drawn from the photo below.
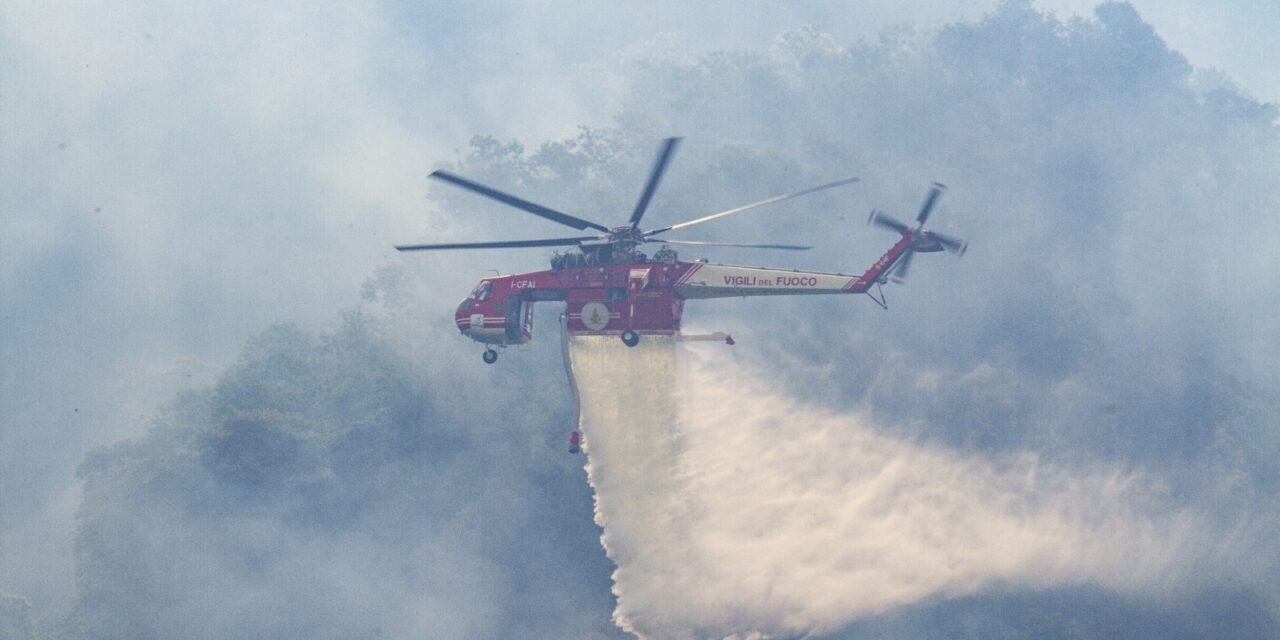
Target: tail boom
[706,280]
[881,268]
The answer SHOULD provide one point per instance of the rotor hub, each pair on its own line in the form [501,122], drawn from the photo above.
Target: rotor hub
[626,234]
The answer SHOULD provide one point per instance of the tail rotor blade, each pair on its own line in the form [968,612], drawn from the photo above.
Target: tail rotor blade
[955,245]
[900,272]
[655,175]
[882,219]
[934,193]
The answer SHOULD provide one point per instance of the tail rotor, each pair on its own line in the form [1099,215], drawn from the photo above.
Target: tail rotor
[922,240]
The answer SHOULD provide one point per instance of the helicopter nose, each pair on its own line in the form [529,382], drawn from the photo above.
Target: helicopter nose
[463,318]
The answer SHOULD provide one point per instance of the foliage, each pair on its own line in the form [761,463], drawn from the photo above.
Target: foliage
[314,476]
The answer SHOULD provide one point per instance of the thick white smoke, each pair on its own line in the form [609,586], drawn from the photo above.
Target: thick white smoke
[733,511]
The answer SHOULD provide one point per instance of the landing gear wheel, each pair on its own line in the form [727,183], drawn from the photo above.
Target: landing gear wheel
[490,356]
[630,338]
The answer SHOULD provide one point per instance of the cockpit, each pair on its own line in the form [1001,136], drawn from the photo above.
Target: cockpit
[493,313]
[479,294]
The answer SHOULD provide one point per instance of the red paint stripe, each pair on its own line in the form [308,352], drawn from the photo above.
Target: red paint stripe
[688,274]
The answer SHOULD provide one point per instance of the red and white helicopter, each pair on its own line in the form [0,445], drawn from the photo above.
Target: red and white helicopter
[612,288]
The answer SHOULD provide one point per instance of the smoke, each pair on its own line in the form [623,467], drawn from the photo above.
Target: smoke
[15,618]
[733,510]
[329,487]
[176,180]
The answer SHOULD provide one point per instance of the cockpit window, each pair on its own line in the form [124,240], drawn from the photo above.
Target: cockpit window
[482,290]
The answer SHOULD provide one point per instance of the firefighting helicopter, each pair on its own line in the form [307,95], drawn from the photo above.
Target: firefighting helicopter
[612,288]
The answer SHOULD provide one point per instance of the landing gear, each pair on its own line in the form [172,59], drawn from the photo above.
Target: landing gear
[630,338]
[490,356]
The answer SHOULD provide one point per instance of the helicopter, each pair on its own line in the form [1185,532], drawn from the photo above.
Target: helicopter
[612,288]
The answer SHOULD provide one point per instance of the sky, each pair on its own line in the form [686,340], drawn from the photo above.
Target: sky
[177,178]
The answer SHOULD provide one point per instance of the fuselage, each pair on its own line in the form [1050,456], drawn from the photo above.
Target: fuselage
[645,297]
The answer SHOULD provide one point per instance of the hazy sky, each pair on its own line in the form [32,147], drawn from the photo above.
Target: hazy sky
[174,178]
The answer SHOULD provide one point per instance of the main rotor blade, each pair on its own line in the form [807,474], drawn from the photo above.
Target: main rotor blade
[655,175]
[507,244]
[936,191]
[752,206]
[882,219]
[535,209]
[955,245]
[790,247]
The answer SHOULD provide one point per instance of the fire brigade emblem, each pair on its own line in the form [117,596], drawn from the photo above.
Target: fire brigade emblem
[595,316]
